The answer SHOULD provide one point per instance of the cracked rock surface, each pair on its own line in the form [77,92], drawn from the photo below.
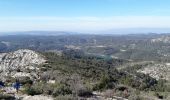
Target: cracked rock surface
[22,62]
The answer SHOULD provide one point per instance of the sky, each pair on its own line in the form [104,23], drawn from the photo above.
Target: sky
[84,15]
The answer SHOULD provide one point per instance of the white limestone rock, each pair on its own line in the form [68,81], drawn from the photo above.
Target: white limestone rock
[22,60]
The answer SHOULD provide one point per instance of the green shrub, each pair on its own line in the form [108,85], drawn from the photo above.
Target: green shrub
[61,90]
[105,83]
[6,97]
[84,93]
[33,91]
[25,80]
[66,97]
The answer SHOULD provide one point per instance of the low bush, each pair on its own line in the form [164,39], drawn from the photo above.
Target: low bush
[66,97]
[84,93]
[61,90]
[33,91]
[6,97]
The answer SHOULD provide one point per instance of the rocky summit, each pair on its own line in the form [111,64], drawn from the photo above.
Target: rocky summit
[20,63]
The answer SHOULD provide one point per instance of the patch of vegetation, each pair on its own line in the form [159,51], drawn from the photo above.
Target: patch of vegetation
[91,70]
[6,97]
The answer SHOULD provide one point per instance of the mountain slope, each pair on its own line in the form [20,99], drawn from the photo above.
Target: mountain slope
[20,61]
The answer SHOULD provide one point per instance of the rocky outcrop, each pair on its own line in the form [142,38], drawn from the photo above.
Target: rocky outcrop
[157,71]
[20,63]
[164,39]
[38,97]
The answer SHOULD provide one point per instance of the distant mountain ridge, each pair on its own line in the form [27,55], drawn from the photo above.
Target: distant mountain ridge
[42,33]
[123,31]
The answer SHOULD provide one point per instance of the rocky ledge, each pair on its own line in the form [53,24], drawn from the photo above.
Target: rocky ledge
[22,62]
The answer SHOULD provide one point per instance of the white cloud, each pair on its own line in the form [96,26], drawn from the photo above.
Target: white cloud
[82,24]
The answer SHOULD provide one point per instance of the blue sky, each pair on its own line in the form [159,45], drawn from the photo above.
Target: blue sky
[83,15]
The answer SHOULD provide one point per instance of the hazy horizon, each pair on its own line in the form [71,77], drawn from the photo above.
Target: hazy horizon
[89,16]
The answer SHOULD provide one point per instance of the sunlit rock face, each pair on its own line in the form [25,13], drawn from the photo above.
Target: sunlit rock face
[20,61]
[157,71]
[164,39]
